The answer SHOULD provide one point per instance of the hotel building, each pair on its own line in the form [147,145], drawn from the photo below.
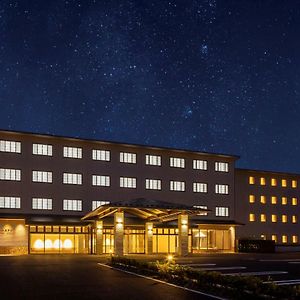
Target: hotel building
[69,195]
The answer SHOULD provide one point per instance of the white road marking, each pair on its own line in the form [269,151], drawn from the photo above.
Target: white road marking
[285,282]
[262,273]
[221,268]
[279,260]
[197,265]
[163,282]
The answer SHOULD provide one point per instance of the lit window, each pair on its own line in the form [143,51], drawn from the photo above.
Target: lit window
[10,202]
[251,180]
[199,164]
[273,182]
[96,204]
[274,200]
[295,239]
[177,162]
[284,201]
[42,203]
[222,211]
[42,176]
[294,184]
[222,189]
[294,219]
[153,160]
[262,181]
[201,207]
[263,199]
[72,152]
[284,239]
[178,186]
[128,158]
[199,187]
[251,198]
[72,178]
[75,205]
[274,238]
[153,184]
[263,236]
[221,166]
[263,218]
[251,217]
[284,218]
[42,149]
[10,174]
[103,155]
[128,182]
[274,218]
[283,183]
[100,180]
[10,146]
[294,201]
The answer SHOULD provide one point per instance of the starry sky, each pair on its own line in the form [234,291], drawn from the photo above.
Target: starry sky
[208,75]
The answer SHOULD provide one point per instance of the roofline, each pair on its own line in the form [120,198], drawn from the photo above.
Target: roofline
[267,171]
[235,157]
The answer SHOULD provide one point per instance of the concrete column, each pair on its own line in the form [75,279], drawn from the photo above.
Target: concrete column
[232,238]
[183,234]
[119,233]
[149,238]
[99,237]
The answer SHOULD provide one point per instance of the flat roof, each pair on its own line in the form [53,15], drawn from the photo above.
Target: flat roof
[235,157]
[267,172]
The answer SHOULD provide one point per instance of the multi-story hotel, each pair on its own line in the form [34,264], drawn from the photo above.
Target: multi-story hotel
[68,195]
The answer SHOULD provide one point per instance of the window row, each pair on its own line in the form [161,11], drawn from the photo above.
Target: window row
[273,218]
[273,182]
[284,238]
[273,200]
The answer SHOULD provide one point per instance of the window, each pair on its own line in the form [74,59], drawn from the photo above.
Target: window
[274,200]
[283,183]
[273,182]
[199,187]
[263,218]
[72,152]
[284,218]
[176,162]
[42,203]
[10,174]
[284,201]
[10,146]
[222,211]
[42,149]
[274,238]
[221,166]
[251,198]
[263,199]
[295,239]
[75,205]
[221,189]
[294,201]
[294,219]
[251,217]
[42,176]
[96,204]
[103,155]
[294,184]
[263,236]
[262,181]
[153,160]
[10,202]
[128,182]
[129,158]
[251,180]
[274,218]
[100,180]
[204,213]
[199,164]
[178,186]
[72,178]
[153,184]
[284,239]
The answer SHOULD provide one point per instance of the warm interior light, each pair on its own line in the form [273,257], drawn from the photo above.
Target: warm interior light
[57,244]
[68,244]
[48,244]
[38,244]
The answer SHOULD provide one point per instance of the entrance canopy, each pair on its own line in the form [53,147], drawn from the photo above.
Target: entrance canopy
[147,209]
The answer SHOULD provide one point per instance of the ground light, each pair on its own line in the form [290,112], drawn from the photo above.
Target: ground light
[170,258]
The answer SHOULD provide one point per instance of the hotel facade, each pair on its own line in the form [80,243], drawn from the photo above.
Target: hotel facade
[69,195]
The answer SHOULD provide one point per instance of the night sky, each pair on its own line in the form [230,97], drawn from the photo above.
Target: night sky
[211,75]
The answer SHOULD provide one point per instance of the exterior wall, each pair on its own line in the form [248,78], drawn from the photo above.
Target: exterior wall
[27,162]
[258,229]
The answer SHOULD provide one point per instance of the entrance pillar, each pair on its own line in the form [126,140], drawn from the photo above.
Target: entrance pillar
[149,238]
[99,237]
[119,233]
[183,234]
[232,238]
